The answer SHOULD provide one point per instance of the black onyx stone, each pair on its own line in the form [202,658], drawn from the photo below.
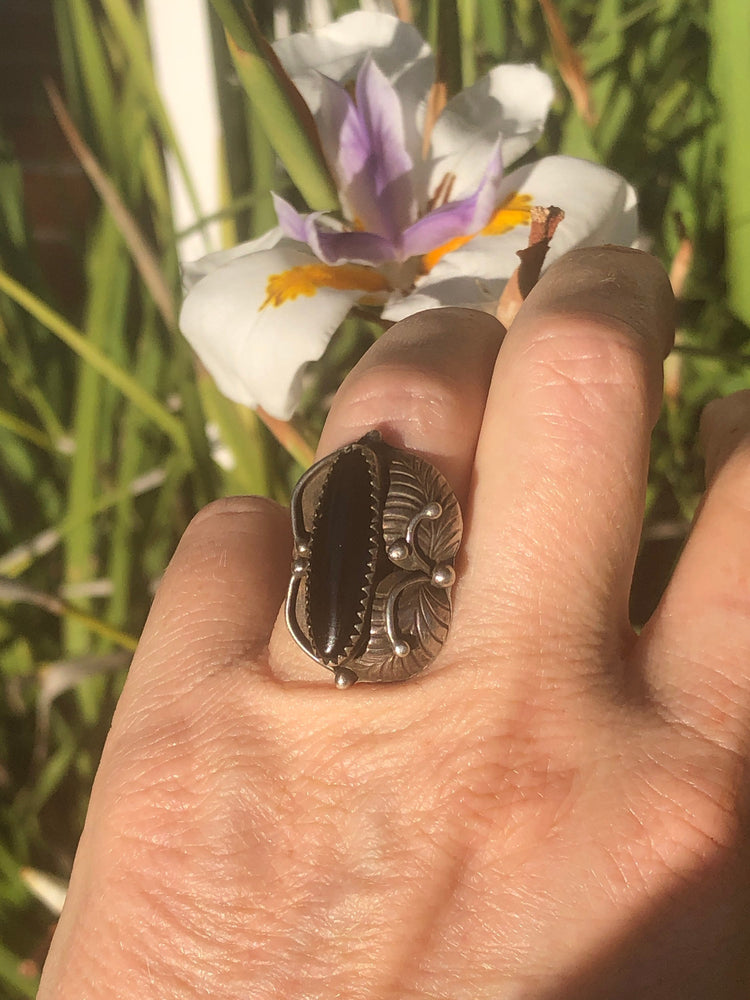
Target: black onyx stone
[340,555]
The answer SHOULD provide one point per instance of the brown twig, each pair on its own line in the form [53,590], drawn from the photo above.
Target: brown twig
[436,101]
[403,11]
[569,63]
[544,223]
[144,257]
[682,262]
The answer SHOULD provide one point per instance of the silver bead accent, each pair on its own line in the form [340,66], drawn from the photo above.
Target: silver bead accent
[401,614]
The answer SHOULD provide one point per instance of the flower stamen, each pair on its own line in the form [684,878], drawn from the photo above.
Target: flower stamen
[514,211]
[307,279]
[442,192]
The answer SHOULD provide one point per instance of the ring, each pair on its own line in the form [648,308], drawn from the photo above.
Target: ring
[376,531]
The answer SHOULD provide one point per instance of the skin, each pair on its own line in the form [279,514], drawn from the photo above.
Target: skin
[556,809]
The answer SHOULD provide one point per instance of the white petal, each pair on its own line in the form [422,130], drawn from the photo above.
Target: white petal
[473,276]
[448,290]
[197,269]
[256,356]
[510,103]
[599,206]
[339,49]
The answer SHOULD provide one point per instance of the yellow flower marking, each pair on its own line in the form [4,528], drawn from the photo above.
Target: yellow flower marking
[514,211]
[308,278]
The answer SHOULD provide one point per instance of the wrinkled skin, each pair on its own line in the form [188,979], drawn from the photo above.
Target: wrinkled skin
[556,809]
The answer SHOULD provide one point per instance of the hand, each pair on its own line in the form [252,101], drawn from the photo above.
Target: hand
[556,809]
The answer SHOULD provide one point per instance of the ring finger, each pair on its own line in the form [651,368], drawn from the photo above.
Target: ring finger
[423,385]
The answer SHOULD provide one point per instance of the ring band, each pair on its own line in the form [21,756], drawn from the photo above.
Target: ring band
[376,531]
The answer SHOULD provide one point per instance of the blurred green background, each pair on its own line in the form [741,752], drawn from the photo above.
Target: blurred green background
[104,448]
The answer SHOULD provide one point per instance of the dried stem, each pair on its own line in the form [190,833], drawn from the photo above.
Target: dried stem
[544,223]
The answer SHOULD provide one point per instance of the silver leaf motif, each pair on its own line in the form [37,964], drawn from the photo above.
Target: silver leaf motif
[406,586]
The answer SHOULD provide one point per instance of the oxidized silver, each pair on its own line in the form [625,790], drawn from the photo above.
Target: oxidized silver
[376,531]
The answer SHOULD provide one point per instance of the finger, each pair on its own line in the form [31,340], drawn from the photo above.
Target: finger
[562,457]
[423,385]
[696,648]
[220,594]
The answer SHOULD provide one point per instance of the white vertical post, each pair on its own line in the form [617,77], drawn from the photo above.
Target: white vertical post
[184,67]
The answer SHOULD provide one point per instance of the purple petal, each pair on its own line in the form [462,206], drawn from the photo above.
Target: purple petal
[329,243]
[457,218]
[342,133]
[292,222]
[353,247]
[373,157]
[339,119]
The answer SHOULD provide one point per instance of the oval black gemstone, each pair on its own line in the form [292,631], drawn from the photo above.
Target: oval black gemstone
[340,555]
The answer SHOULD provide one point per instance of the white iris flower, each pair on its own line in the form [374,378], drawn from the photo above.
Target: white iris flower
[420,228]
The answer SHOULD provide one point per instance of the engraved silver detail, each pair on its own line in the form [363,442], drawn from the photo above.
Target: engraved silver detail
[406,606]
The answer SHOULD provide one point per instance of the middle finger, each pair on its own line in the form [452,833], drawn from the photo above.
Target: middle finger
[563,453]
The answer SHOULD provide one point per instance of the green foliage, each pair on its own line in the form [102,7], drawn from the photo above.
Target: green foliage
[103,420]
[731,77]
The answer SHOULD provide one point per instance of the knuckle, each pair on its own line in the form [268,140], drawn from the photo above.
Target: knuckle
[219,510]
[415,405]
[216,540]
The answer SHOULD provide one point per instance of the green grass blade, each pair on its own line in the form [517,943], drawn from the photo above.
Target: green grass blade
[16,561]
[27,431]
[94,426]
[731,79]
[492,28]
[15,593]
[21,379]
[250,474]
[99,361]
[467,20]
[448,53]
[18,984]
[95,73]
[285,117]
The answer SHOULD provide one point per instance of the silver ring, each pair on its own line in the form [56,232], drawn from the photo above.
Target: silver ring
[376,532]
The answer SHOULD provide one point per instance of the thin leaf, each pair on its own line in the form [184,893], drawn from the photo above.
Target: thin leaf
[94,420]
[448,50]
[16,593]
[18,559]
[95,73]
[143,255]
[467,20]
[93,356]
[133,37]
[27,431]
[731,36]
[569,62]
[285,117]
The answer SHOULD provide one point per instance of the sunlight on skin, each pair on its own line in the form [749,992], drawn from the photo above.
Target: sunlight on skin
[554,811]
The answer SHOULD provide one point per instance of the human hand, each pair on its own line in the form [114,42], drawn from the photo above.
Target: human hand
[555,809]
